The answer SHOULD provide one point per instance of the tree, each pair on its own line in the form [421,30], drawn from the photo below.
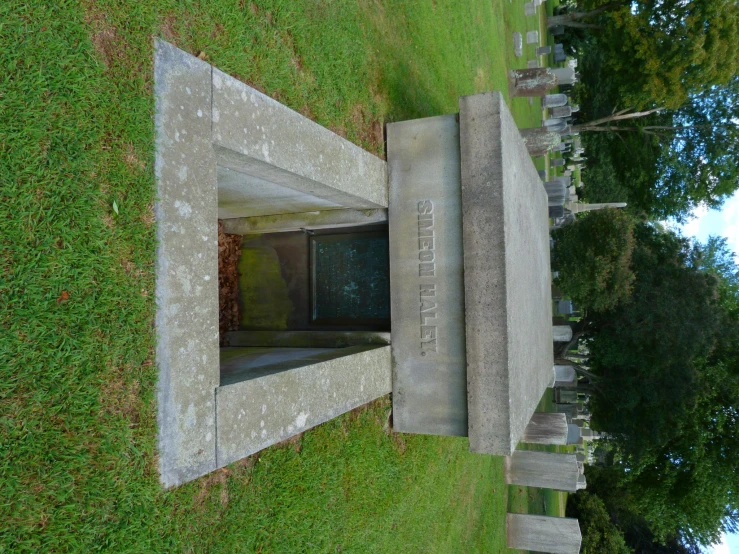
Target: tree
[666,367]
[599,534]
[593,257]
[667,162]
[658,53]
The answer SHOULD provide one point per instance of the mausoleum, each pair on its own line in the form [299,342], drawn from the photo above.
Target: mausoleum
[426,276]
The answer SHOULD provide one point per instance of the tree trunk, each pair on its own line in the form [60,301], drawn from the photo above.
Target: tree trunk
[570,19]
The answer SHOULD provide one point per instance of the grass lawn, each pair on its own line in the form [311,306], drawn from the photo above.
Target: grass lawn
[77,376]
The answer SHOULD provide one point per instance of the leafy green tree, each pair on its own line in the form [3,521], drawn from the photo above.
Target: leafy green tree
[666,365]
[593,255]
[599,534]
[666,163]
[660,52]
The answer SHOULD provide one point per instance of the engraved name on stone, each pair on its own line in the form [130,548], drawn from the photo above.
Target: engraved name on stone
[427,270]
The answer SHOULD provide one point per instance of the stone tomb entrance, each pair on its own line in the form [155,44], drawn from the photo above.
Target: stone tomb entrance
[310,346]
[305,294]
[463,256]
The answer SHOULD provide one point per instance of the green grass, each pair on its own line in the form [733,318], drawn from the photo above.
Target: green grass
[77,376]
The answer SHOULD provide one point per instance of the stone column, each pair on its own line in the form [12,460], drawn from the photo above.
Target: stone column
[546,470]
[558,535]
[546,428]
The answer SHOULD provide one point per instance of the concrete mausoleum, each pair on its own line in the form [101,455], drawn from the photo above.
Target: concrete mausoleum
[452,229]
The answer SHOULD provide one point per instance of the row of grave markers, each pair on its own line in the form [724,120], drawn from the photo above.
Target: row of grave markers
[549,470]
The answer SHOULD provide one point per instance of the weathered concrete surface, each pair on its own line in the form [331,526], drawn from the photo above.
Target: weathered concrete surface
[240,193]
[558,535]
[546,428]
[427,291]
[546,470]
[187,266]
[257,413]
[279,158]
[304,220]
[263,139]
[506,276]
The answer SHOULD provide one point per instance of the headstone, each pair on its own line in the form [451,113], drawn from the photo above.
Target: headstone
[532,63]
[565,75]
[558,535]
[561,111]
[561,333]
[564,307]
[573,433]
[557,125]
[555,212]
[581,482]
[540,140]
[553,122]
[554,100]
[546,470]
[556,197]
[529,8]
[531,82]
[557,162]
[517,44]
[543,50]
[564,376]
[542,174]
[580,457]
[567,131]
[570,410]
[532,37]
[557,30]
[546,428]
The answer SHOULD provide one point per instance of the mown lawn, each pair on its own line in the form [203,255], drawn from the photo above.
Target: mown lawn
[77,377]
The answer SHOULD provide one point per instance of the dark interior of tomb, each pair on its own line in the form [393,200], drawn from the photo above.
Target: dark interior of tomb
[307,296]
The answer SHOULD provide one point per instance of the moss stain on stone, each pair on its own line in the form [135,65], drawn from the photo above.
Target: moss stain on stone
[265,303]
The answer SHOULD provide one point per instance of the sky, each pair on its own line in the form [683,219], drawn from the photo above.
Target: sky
[723,222]
[730,545]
